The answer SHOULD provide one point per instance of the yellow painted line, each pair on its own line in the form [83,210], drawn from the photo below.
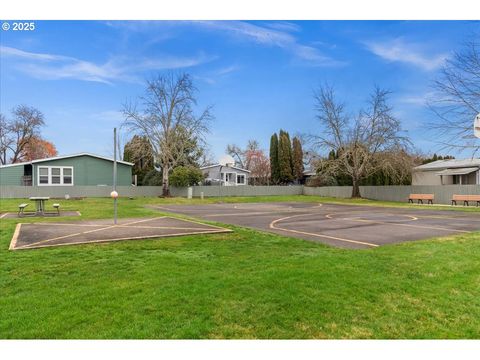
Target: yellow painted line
[331,217]
[412,218]
[272,226]
[13,243]
[448,218]
[128,225]
[89,231]
[3,215]
[126,238]
[245,214]
[68,224]
[267,211]
[197,222]
[91,225]
[160,227]
[143,220]
[398,224]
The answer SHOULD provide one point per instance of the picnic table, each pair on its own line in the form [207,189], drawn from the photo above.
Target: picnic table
[39,204]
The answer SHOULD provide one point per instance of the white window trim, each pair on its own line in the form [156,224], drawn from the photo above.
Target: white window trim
[50,175]
[234,177]
[244,179]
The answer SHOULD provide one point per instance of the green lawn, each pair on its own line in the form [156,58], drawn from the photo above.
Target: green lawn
[247,284]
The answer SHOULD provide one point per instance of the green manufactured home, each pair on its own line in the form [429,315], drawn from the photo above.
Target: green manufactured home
[71,170]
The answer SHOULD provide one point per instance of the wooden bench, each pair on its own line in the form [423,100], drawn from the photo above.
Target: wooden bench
[21,209]
[465,199]
[57,207]
[420,198]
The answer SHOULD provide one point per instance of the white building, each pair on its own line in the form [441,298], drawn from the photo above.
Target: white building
[448,172]
[225,173]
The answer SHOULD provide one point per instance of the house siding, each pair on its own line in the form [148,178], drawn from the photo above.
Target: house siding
[214,172]
[11,175]
[87,171]
[432,178]
[426,178]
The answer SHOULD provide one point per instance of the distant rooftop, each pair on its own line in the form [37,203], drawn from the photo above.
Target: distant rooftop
[65,157]
[449,164]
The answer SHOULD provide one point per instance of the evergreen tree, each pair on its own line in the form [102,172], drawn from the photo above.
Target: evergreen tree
[274,164]
[139,151]
[285,157]
[297,159]
[332,155]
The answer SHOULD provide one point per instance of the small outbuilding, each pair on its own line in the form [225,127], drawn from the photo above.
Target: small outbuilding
[448,172]
[70,170]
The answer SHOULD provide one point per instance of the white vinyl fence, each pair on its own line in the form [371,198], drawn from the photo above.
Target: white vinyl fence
[143,191]
[443,194]
[244,190]
[77,191]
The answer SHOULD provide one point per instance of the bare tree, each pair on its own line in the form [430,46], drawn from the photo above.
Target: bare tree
[6,139]
[237,153]
[168,120]
[259,166]
[365,143]
[241,155]
[15,134]
[456,99]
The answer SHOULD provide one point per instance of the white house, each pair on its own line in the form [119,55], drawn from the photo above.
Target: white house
[225,173]
[447,172]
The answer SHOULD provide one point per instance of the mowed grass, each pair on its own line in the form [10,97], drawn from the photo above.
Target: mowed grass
[246,284]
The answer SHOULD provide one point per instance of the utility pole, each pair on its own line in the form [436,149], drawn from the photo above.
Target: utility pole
[114,193]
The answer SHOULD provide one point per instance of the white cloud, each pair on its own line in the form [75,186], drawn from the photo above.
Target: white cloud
[9,51]
[213,76]
[416,99]
[397,50]
[53,67]
[272,37]
[227,70]
[275,34]
[283,26]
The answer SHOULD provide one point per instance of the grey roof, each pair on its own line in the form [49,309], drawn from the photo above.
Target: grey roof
[225,166]
[448,164]
[457,171]
[66,157]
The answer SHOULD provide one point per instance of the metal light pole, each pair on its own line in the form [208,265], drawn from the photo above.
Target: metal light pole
[114,193]
[476,126]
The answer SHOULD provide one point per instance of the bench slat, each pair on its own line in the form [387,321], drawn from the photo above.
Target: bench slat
[466,197]
[421,196]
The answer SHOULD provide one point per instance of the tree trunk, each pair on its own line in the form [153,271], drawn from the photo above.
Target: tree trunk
[355,188]
[166,190]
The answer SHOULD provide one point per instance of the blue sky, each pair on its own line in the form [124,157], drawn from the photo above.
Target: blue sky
[259,75]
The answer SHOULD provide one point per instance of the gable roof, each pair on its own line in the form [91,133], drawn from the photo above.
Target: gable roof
[448,164]
[229,167]
[66,157]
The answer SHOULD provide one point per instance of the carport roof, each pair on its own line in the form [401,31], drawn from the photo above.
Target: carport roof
[460,171]
[448,164]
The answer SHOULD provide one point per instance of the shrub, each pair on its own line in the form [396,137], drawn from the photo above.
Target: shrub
[321,180]
[152,178]
[183,176]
